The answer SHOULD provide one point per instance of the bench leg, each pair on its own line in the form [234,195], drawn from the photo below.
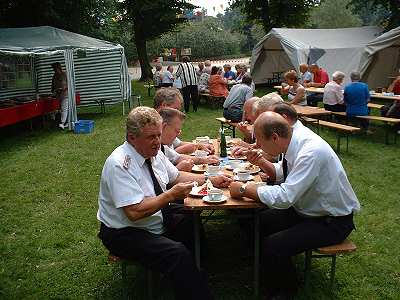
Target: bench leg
[307,267]
[124,281]
[333,270]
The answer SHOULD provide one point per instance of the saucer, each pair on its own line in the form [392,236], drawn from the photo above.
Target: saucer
[208,200]
[251,177]
[198,168]
[214,174]
[229,167]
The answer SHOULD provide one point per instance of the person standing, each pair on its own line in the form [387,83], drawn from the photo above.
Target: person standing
[59,88]
[187,72]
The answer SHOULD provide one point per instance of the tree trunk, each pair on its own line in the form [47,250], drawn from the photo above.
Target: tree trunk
[266,19]
[143,58]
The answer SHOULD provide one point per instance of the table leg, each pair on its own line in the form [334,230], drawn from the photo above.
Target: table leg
[256,252]
[196,222]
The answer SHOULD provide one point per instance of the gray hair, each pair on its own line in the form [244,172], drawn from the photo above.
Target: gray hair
[207,63]
[158,67]
[168,114]
[266,103]
[337,75]
[167,96]
[355,76]
[139,117]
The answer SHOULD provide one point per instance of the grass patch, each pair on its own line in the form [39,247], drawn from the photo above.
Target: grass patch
[48,226]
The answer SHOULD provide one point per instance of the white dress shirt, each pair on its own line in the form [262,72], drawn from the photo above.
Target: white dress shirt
[171,154]
[176,143]
[126,180]
[333,93]
[316,184]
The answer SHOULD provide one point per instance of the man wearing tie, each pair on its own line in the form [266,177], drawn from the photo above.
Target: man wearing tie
[133,198]
[312,207]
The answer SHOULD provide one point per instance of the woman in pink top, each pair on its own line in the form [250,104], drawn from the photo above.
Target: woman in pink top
[217,84]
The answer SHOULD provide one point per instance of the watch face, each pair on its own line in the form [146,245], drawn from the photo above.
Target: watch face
[242,188]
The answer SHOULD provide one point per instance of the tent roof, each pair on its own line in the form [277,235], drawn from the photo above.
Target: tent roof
[47,38]
[326,38]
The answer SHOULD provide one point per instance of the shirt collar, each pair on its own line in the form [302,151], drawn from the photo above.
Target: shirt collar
[291,150]
[135,155]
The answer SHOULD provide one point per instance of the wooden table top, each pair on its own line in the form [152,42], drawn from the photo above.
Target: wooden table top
[310,110]
[196,203]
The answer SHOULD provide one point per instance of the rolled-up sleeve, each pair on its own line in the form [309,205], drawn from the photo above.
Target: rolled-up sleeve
[278,172]
[300,178]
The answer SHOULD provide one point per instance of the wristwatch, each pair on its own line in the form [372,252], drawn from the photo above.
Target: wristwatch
[242,188]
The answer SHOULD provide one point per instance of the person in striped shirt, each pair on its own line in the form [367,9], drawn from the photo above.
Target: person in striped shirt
[187,72]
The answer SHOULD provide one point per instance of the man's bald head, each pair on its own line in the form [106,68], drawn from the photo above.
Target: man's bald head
[248,109]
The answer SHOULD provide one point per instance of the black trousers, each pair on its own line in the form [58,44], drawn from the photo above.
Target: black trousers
[233,114]
[336,107]
[190,93]
[314,98]
[167,254]
[285,233]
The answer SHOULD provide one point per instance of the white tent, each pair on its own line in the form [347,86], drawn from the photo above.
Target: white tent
[341,49]
[96,68]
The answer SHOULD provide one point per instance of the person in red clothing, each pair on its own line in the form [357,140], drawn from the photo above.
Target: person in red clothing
[320,79]
[393,110]
[217,84]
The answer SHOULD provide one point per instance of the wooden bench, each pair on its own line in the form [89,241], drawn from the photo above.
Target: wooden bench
[344,247]
[215,101]
[387,121]
[375,105]
[124,263]
[227,124]
[340,129]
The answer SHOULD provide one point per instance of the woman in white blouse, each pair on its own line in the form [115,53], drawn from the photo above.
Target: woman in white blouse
[295,91]
[333,93]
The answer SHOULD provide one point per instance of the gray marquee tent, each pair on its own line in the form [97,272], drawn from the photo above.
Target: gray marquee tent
[345,49]
[96,68]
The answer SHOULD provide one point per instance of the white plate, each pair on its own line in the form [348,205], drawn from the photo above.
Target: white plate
[212,175]
[198,168]
[194,192]
[251,177]
[238,158]
[252,171]
[223,199]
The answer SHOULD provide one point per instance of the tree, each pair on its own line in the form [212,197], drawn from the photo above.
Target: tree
[388,11]
[150,19]
[276,13]
[322,16]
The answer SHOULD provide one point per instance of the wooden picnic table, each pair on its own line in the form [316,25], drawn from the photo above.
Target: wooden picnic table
[197,206]
[310,111]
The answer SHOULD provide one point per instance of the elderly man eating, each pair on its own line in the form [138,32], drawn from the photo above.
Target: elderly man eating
[312,207]
[133,192]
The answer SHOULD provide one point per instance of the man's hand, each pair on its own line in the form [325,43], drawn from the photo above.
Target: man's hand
[181,190]
[207,147]
[242,126]
[185,165]
[239,151]
[234,190]
[211,159]
[255,157]
[263,176]
[221,181]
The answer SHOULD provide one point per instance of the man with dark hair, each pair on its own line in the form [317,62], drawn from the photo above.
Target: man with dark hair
[312,206]
[239,93]
[59,88]
[187,72]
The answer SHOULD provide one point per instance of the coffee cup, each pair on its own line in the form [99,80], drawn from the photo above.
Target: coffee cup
[215,194]
[243,175]
[200,153]
[212,170]
[234,163]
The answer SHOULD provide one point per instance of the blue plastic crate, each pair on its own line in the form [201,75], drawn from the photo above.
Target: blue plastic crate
[84,126]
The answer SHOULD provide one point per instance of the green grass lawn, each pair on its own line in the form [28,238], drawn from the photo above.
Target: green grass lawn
[48,204]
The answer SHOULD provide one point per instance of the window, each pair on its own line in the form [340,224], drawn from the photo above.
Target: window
[16,72]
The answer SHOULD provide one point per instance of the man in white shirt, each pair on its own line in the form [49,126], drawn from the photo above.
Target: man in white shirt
[311,208]
[171,97]
[133,192]
[333,93]
[172,124]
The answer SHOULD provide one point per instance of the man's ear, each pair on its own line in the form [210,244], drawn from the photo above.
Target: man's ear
[275,137]
[130,137]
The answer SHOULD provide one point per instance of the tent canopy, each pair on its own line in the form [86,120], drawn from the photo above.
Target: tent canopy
[46,38]
[283,49]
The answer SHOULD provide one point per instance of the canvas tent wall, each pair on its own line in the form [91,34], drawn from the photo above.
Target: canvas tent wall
[100,68]
[381,59]
[283,49]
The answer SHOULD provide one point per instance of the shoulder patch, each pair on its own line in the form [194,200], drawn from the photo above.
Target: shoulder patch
[127,162]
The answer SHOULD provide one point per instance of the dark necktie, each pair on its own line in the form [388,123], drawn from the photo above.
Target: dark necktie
[157,188]
[285,168]
[162,148]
